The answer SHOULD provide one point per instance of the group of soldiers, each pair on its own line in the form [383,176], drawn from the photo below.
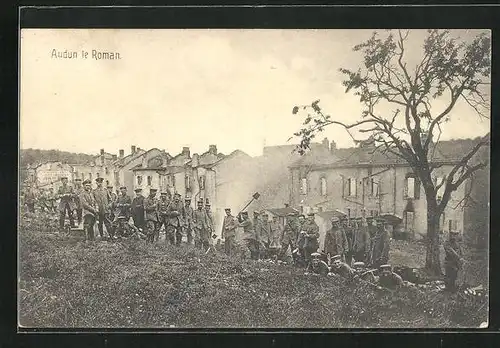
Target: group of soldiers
[352,247]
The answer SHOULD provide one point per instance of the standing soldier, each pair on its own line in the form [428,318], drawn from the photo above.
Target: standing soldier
[380,245]
[52,200]
[290,234]
[249,235]
[78,190]
[311,244]
[265,234]
[163,204]
[187,213]
[275,232]
[336,240]
[123,204]
[90,210]
[102,198]
[361,242]
[453,261]
[138,210]
[210,219]
[175,222]
[30,198]
[150,209]
[229,226]
[200,224]
[66,204]
[112,197]
[347,226]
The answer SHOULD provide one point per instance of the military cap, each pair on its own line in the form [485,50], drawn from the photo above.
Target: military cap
[342,218]
[455,233]
[227,209]
[99,179]
[187,199]
[164,193]
[123,187]
[64,177]
[110,186]
[121,217]
[244,213]
[256,212]
[315,255]
[153,190]
[291,214]
[206,201]
[302,215]
[87,181]
[177,194]
[200,201]
[138,190]
[334,219]
[310,214]
[384,267]
[335,258]
[358,264]
[78,179]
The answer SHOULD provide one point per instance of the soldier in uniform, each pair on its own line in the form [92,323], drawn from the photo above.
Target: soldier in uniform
[340,268]
[175,221]
[317,266]
[187,215]
[52,197]
[388,279]
[102,197]
[210,219]
[336,240]
[265,234]
[290,234]
[249,235]
[361,272]
[275,232]
[453,261]
[200,224]
[163,204]
[138,210]
[123,204]
[90,210]
[311,230]
[66,204]
[78,190]
[112,197]
[151,214]
[361,242]
[380,245]
[30,198]
[229,226]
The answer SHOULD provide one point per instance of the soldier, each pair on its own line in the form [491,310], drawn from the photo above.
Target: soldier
[265,234]
[66,204]
[123,204]
[112,197]
[175,221]
[380,244]
[229,226]
[137,208]
[311,230]
[151,214]
[275,231]
[388,279]
[200,224]
[90,210]
[290,234]
[163,204]
[362,273]
[336,240]
[317,266]
[78,190]
[340,268]
[102,199]
[30,198]
[210,218]
[249,235]
[361,242]
[453,261]
[187,214]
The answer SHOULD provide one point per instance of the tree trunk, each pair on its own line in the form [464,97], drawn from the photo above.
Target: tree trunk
[432,260]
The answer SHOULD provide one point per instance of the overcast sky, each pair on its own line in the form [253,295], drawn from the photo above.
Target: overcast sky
[175,88]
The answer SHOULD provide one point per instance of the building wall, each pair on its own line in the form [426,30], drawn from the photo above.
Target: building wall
[51,172]
[391,197]
[144,185]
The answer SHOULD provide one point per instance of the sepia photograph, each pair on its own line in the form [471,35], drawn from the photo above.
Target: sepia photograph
[254,178]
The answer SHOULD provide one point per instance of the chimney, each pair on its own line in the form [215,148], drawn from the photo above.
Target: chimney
[326,143]
[333,146]
[195,160]
[122,153]
[132,149]
[185,151]
[102,152]
[212,149]
[114,158]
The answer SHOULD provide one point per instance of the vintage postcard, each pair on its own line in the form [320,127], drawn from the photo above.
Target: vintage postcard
[245,178]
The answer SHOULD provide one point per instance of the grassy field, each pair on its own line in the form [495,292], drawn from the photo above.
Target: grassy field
[65,282]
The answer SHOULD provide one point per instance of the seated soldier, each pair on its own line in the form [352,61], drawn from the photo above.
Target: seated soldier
[388,279]
[339,268]
[120,226]
[361,272]
[317,266]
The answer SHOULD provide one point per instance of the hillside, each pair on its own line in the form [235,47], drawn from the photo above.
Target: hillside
[36,156]
[65,282]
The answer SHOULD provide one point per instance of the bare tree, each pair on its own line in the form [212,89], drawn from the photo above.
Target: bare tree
[449,70]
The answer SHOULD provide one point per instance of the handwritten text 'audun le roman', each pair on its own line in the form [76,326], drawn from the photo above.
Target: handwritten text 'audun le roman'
[93,54]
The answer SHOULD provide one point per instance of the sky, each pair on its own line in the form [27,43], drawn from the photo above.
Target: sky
[175,88]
